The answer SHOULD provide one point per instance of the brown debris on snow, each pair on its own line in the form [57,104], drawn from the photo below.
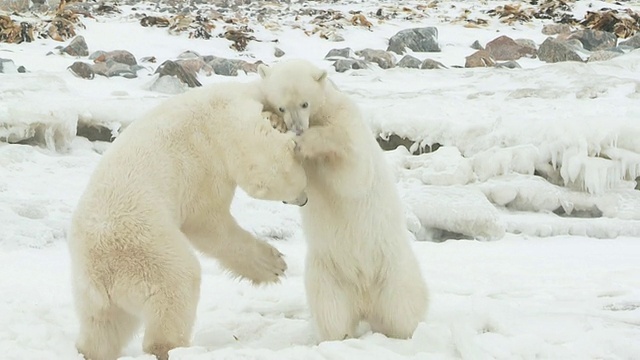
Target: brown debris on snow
[240,37]
[13,32]
[624,24]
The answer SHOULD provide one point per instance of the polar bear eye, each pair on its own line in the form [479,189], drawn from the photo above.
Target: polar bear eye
[305,105]
[281,109]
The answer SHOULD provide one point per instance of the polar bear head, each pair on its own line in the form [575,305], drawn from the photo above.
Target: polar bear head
[295,89]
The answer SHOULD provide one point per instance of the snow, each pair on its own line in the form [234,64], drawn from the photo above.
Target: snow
[526,219]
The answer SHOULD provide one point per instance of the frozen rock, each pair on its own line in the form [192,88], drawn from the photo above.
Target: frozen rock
[342,65]
[409,61]
[417,39]
[171,68]
[77,47]
[480,58]
[384,59]
[633,42]
[7,66]
[553,51]
[505,48]
[431,64]
[335,54]
[82,70]
[594,39]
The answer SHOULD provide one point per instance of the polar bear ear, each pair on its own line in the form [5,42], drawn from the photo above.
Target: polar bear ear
[263,71]
[320,76]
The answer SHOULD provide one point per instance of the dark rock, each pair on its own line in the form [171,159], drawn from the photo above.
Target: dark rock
[96,54]
[119,56]
[594,39]
[384,59]
[335,54]
[342,65]
[603,55]
[477,46]
[189,54]
[409,61]
[393,141]
[430,64]
[633,42]
[22,69]
[82,70]
[226,67]
[554,29]
[120,69]
[511,64]
[480,58]
[77,47]
[171,68]
[7,66]
[417,39]
[505,48]
[195,65]
[94,132]
[277,52]
[553,51]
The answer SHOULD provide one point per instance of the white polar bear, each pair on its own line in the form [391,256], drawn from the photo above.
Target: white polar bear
[165,183]
[360,265]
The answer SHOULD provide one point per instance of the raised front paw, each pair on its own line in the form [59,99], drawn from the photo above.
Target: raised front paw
[268,264]
[277,122]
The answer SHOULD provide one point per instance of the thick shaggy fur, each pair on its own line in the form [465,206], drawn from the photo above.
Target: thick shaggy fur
[165,185]
[360,265]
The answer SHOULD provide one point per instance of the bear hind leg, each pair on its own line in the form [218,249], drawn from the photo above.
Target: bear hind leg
[400,307]
[104,330]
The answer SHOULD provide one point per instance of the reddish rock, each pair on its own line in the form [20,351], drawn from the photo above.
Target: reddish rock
[480,58]
[505,48]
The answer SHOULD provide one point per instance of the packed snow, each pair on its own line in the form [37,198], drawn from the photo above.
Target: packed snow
[526,219]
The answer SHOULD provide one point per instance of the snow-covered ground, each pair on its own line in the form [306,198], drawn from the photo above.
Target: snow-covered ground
[546,269]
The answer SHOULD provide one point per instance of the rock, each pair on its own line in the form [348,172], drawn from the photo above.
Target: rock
[594,40]
[189,54]
[168,84]
[22,69]
[82,70]
[417,39]
[477,46]
[430,64]
[342,65]
[96,54]
[511,64]
[94,132]
[226,67]
[195,65]
[119,69]
[409,61]
[335,54]
[277,52]
[148,59]
[480,58]
[603,55]
[100,68]
[505,48]
[554,29]
[528,43]
[119,56]
[633,42]
[384,59]
[171,68]
[77,47]
[7,66]
[553,51]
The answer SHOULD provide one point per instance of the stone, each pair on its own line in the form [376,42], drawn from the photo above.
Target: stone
[594,39]
[603,55]
[430,64]
[632,42]
[277,52]
[77,47]
[119,56]
[480,58]
[119,69]
[384,59]
[195,65]
[477,46]
[528,43]
[552,51]
[168,84]
[511,64]
[94,132]
[505,48]
[171,68]
[335,54]
[226,67]
[417,39]
[342,65]
[189,54]
[409,61]
[96,54]
[7,66]
[82,70]
[554,29]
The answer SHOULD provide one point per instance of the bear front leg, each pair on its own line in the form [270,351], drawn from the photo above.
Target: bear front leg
[322,142]
[237,250]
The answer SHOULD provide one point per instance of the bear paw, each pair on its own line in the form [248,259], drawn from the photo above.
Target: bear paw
[267,265]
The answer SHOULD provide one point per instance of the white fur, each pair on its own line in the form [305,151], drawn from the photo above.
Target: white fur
[360,265]
[167,183]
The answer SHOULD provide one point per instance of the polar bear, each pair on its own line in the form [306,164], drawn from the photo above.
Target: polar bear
[359,264]
[167,182]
